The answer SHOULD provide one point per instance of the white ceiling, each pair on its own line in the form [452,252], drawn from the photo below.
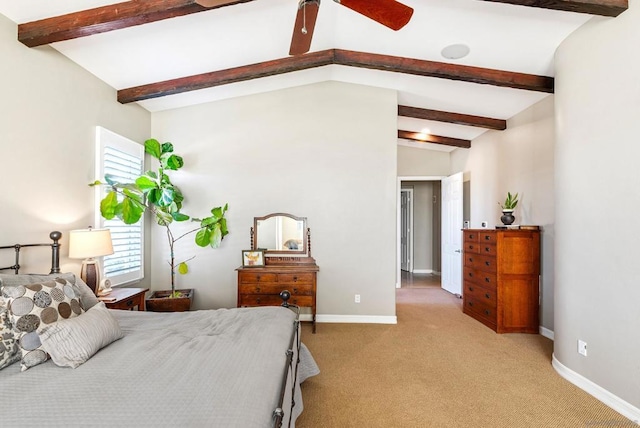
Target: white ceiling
[501,36]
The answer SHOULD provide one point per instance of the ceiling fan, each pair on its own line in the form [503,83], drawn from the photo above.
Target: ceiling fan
[389,13]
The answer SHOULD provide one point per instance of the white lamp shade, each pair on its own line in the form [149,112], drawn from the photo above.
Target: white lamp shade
[85,243]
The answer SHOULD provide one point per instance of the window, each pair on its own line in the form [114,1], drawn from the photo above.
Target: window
[123,159]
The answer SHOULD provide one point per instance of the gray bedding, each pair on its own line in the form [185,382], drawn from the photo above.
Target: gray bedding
[215,368]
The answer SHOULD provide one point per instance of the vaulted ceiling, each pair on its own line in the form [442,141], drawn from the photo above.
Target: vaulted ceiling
[174,53]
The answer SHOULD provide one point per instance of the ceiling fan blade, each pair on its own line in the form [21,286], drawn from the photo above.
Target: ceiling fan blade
[215,3]
[389,13]
[304,26]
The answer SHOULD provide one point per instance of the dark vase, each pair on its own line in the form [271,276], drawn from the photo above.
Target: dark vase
[507,217]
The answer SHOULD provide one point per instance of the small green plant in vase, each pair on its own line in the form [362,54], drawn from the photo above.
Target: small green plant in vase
[154,192]
[508,206]
[510,202]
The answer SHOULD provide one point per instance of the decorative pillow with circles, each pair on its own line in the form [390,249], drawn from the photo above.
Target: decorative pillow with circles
[34,306]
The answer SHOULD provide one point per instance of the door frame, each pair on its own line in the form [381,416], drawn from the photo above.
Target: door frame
[402,178]
[410,234]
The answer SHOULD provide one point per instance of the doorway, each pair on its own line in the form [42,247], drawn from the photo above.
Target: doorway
[419,231]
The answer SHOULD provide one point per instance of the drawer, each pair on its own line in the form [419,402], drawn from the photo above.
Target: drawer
[257,277]
[272,300]
[470,235]
[129,303]
[470,274]
[296,278]
[487,238]
[294,289]
[471,247]
[487,280]
[487,249]
[487,264]
[481,308]
[475,292]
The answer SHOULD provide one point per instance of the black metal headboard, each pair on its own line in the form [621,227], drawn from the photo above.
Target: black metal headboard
[55,253]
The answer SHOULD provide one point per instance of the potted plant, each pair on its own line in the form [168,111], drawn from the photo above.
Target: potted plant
[509,205]
[154,192]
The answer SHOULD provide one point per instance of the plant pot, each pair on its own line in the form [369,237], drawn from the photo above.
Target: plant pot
[507,217]
[159,301]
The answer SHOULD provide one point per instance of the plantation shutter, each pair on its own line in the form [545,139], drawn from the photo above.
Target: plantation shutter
[123,159]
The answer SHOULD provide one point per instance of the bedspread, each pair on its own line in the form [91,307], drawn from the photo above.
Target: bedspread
[215,368]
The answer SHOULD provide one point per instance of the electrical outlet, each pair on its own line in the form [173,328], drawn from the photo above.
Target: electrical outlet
[484,224]
[357,298]
[582,347]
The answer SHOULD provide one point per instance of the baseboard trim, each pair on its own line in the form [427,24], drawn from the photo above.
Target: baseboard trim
[357,319]
[546,333]
[616,403]
[422,271]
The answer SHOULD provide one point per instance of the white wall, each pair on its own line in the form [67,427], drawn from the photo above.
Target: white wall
[597,180]
[49,108]
[415,162]
[519,159]
[326,152]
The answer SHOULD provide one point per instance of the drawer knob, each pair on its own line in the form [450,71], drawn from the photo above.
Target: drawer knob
[487,237]
[295,278]
[487,264]
[258,278]
[487,249]
[295,290]
[257,289]
[470,303]
[258,300]
[487,312]
[471,259]
[471,247]
[471,236]
[470,275]
[487,295]
[486,279]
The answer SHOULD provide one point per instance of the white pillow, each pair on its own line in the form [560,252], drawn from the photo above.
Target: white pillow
[71,342]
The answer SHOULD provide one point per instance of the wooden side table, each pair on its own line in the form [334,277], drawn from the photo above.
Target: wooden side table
[125,298]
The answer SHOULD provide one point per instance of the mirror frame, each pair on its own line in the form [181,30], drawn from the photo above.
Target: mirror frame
[268,252]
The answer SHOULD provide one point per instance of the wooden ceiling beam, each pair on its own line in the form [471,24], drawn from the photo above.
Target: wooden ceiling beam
[435,139]
[457,118]
[443,70]
[591,7]
[107,18]
[225,77]
[338,57]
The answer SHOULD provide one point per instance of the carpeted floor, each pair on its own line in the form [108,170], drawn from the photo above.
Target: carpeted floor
[439,368]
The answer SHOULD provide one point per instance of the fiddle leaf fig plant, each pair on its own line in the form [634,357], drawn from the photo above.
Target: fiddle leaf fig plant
[154,192]
[510,202]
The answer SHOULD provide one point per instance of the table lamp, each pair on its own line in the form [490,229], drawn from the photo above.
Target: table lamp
[87,244]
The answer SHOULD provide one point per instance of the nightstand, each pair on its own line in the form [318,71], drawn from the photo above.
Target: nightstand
[125,298]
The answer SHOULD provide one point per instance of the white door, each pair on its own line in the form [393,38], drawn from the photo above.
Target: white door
[406,211]
[452,234]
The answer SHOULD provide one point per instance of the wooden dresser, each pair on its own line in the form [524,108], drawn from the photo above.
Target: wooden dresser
[501,279]
[261,286]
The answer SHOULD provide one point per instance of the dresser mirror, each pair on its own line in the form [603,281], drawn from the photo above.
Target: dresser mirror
[280,233]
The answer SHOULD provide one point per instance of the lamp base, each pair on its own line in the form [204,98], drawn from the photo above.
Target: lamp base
[90,274]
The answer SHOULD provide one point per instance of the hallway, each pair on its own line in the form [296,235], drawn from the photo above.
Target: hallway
[419,280]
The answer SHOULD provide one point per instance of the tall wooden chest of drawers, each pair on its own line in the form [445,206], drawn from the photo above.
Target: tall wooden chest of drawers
[501,279]
[261,286]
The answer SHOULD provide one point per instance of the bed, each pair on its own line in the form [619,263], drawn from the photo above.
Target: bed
[238,367]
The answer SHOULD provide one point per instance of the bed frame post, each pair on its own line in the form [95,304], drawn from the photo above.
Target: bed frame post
[55,251]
